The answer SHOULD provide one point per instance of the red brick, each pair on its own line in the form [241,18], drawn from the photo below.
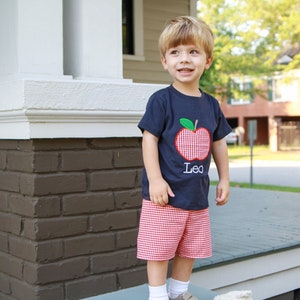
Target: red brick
[114,220]
[86,160]
[91,286]
[89,244]
[87,203]
[110,180]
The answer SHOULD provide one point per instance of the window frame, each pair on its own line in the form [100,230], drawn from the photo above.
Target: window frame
[138,33]
[242,85]
[280,88]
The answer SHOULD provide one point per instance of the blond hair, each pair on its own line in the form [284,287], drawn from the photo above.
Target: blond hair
[186,30]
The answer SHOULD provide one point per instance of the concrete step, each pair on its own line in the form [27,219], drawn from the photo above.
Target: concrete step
[141,293]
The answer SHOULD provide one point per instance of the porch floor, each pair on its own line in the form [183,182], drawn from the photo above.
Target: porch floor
[254,223]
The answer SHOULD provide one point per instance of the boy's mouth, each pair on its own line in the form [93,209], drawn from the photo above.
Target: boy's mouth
[185,70]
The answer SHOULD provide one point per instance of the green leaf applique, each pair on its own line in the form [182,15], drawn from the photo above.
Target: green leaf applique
[188,124]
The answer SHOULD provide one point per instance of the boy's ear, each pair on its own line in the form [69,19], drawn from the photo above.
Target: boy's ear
[209,63]
[164,62]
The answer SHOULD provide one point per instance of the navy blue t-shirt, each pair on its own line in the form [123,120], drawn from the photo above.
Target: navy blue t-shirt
[186,127]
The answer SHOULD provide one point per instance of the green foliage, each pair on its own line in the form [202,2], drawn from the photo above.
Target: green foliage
[249,37]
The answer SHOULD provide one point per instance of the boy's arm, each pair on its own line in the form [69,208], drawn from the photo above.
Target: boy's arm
[220,154]
[159,189]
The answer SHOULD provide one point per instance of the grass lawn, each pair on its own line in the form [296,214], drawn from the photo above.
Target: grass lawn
[263,187]
[261,153]
[240,153]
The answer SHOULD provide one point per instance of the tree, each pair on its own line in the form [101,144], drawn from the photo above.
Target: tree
[250,35]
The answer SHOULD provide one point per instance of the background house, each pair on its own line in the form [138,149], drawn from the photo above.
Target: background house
[276,111]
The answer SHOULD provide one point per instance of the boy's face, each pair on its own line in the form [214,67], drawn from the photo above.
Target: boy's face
[186,64]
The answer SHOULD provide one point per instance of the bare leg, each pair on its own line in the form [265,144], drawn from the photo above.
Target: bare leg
[157,272]
[182,268]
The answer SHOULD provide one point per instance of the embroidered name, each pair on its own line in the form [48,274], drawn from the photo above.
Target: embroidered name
[193,169]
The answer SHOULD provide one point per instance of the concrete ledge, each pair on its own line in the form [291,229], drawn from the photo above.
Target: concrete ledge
[66,108]
[141,293]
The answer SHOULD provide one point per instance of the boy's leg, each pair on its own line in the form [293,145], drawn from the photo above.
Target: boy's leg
[157,276]
[182,268]
[181,272]
[157,272]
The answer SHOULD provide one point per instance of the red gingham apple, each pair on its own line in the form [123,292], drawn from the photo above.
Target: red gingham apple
[191,142]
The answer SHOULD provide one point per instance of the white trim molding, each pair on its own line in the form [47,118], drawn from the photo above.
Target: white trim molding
[72,108]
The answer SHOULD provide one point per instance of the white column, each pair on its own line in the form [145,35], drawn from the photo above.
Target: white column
[8,38]
[93,39]
[39,38]
[42,41]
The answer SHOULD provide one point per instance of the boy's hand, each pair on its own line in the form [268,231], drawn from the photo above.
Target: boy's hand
[222,193]
[160,191]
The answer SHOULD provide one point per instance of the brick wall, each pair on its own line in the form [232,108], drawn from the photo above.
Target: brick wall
[69,212]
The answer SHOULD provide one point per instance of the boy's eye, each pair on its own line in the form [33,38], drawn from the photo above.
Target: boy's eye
[194,51]
[174,52]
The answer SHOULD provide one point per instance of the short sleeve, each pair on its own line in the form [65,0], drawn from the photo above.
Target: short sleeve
[153,119]
[223,128]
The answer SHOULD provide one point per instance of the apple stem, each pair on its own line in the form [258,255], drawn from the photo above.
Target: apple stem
[196,123]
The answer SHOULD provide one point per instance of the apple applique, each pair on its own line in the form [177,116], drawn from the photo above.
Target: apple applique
[191,142]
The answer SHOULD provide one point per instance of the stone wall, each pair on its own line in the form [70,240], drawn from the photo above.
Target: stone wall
[69,211]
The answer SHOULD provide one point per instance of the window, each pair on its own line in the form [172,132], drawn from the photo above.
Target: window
[133,29]
[282,89]
[240,92]
[127,27]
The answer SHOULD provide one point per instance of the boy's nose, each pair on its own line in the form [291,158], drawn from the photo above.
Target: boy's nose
[184,57]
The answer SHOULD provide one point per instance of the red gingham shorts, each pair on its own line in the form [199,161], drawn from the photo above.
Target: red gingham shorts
[166,231]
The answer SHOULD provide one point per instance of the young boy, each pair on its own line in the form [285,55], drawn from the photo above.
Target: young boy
[182,127]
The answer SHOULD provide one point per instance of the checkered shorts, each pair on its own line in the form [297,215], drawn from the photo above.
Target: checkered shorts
[166,231]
